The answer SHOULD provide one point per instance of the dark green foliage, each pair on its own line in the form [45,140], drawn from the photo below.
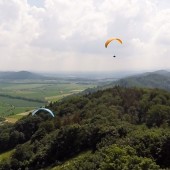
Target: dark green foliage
[2,119]
[114,157]
[158,115]
[149,80]
[165,154]
[150,143]
[124,128]
[28,126]
[118,158]
[19,133]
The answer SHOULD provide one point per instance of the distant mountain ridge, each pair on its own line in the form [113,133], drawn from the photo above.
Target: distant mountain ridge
[158,79]
[20,75]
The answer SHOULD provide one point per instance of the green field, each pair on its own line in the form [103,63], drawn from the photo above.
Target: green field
[21,97]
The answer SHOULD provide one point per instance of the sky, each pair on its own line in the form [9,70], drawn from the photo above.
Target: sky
[64,35]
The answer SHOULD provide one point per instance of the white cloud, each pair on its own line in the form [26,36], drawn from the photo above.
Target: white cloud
[70,35]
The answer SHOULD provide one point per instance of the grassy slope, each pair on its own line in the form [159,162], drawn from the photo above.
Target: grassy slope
[70,161]
[6,155]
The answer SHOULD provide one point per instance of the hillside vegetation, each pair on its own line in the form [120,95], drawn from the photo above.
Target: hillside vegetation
[117,128]
[158,79]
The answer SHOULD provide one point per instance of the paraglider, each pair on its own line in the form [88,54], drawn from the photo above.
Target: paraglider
[111,39]
[42,110]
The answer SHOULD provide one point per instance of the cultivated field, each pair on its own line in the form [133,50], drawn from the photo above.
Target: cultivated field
[22,97]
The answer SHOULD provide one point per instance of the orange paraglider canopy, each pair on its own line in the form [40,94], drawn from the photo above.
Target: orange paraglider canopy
[111,39]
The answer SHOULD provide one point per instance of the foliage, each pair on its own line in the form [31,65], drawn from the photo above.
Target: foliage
[122,128]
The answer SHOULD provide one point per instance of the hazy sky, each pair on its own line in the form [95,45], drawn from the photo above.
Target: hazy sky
[65,35]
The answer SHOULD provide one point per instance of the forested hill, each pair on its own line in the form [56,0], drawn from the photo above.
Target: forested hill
[117,128]
[158,79]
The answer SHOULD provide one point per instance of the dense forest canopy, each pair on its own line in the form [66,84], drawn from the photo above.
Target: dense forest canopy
[117,128]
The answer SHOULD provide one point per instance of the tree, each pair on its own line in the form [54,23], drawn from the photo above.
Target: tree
[158,115]
[118,158]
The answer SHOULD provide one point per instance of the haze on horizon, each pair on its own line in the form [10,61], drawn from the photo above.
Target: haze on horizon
[63,35]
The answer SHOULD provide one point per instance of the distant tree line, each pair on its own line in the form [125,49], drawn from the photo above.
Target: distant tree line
[23,98]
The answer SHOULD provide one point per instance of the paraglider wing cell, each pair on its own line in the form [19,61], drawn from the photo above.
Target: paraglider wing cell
[111,39]
[42,109]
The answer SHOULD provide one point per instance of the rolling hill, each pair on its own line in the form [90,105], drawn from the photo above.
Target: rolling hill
[20,75]
[158,79]
[79,78]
